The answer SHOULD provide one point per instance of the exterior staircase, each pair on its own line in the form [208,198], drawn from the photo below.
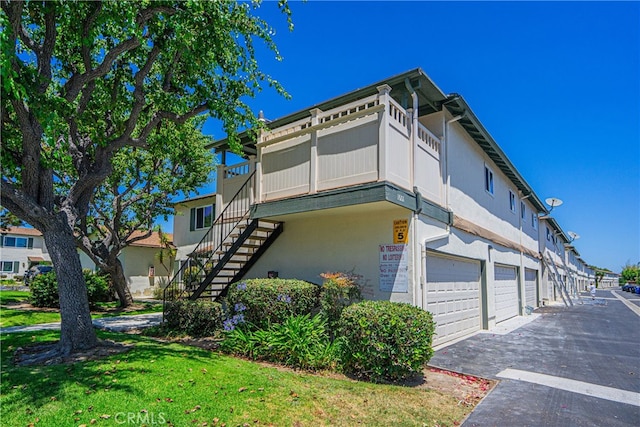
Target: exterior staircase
[226,252]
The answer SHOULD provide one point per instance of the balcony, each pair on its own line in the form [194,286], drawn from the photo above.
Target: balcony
[369,140]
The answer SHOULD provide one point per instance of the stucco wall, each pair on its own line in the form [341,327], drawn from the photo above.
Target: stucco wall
[182,236]
[342,239]
[136,262]
[470,200]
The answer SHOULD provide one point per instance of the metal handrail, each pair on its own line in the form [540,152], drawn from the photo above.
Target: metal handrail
[194,270]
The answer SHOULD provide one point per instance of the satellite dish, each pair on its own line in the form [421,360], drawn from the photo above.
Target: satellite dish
[573,235]
[553,202]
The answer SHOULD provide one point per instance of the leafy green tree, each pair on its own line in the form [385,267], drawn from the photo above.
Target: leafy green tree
[630,273]
[140,190]
[7,220]
[82,81]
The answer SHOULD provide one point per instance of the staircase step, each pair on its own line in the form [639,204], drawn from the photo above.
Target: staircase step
[258,228]
[252,237]
[244,245]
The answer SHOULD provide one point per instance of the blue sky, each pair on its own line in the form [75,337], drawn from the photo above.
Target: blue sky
[557,85]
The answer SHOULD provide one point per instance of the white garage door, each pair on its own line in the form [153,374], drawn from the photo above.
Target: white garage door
[530,287]
[506,292]
[453,296]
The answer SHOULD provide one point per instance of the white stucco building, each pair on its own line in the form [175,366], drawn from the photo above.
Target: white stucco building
[397,182]
[20,249]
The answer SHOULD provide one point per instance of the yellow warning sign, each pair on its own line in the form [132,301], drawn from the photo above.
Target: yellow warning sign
[400,231]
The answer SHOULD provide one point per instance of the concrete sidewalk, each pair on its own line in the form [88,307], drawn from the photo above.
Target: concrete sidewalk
[115,324]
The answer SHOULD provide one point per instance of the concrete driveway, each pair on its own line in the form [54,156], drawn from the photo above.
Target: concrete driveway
[576,366]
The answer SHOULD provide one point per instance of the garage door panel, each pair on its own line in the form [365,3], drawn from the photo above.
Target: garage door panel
[505,292]
[531,287]
[453,296]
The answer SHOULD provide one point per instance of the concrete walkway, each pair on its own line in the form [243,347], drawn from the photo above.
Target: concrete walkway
[115,324]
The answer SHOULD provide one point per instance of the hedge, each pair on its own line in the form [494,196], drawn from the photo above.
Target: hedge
[261,302]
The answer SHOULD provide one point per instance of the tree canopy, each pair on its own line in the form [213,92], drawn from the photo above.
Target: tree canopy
[82,81]
[140,189]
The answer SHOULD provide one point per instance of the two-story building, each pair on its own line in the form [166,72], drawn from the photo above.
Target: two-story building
[397,182]
[20,249]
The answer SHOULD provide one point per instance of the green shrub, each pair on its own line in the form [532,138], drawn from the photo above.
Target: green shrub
[266,301]
[385,341]
[338,291]
[299,341]
[196,318]
[97,287]
[44,289]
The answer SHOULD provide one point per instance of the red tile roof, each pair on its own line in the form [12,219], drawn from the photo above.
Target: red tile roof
[152,241]
[21,231]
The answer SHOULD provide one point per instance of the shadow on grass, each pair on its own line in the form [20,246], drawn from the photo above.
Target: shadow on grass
[34,386]
[14,297]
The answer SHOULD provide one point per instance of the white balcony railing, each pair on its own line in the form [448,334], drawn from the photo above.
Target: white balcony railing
[367,140]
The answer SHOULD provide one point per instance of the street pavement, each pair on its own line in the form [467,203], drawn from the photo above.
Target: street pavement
[561,366]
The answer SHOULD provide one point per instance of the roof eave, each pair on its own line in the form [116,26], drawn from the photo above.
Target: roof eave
[457,105]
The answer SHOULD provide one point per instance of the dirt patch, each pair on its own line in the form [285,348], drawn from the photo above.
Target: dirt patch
[468,389]
[50,353]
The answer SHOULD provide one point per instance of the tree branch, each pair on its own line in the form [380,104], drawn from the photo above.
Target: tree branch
[74,85]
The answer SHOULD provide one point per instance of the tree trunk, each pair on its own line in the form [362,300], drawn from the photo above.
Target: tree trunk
[119,282]
[76,330]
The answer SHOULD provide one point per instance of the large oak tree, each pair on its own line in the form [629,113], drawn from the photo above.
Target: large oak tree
[83,80]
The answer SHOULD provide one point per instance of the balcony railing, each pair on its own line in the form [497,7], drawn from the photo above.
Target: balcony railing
[364,141]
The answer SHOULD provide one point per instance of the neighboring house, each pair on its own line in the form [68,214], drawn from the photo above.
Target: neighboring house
[142,264]
[20,249]
[397,182]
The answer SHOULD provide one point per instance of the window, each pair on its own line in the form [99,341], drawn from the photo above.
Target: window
[512,202]
[488,179]
[10,266]
[548,234]
[534,220]
[523,211]
[201,217]
[18,242]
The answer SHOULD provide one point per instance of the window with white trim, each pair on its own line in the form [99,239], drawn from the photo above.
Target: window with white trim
[512,201]
[488,179]
[548,235]
[201,217]
[534,220]
[523,211]
[10,266]
[16,242]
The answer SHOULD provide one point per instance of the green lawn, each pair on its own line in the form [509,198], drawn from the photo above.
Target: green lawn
[18,317]
[172,384]
[8,297]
